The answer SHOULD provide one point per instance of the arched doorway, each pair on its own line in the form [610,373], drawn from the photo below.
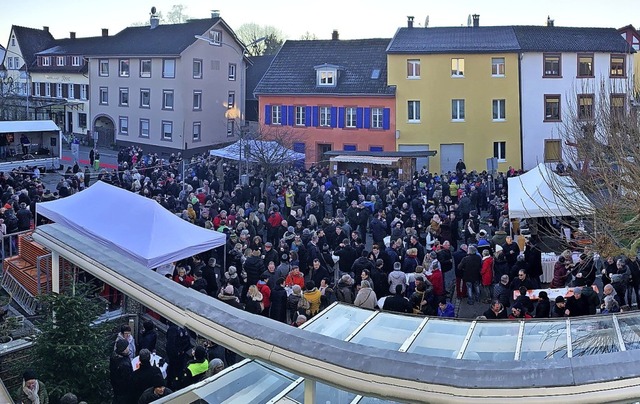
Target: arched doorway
[105,131]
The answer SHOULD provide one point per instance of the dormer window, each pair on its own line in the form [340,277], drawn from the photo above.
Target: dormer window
[215,37]
[326,75]
[60,61]
[46,61]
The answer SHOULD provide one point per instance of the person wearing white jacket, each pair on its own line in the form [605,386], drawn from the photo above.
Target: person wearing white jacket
[397,277]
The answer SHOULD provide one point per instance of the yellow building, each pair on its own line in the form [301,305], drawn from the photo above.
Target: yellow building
[457,93]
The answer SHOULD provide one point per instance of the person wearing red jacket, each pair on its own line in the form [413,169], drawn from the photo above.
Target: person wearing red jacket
[487,275]
[436,279]
[266,294]
[182,277]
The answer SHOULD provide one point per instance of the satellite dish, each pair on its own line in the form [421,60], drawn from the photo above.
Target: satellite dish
[469,21]
[153,10]
[426,22]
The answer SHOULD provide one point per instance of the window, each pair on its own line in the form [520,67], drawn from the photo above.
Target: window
[103,68]
[500,151]
[13,40]
[167,99]
[60,61]
[145,98]
[84,91]
[350,114]
[300,116]
[197,100]
[75,61]
[82,120]
[36,89]
[145,68]
[499,110]
[167,130]
[326,77]
[552,150]
[617,107]
[585,65]
[197,68]
[413,68]
[231,100]
[124,125]
[104,96]
[232,71]
[552,65]
[276,115]
[168,68]
[497,67]
[10,63]
[215,37]
[457,67]
[376,118]
[47,89]
[58,90]
[197,126]
[46,61]
[144,128]
[230,127]
[552,108]
[414,111]
[71,91]
[617,66]
[123,71]
[124,97]
[16,62]
[325,116]
[457,110]
[585,106]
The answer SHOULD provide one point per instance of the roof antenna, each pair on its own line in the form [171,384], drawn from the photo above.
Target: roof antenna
[426,22]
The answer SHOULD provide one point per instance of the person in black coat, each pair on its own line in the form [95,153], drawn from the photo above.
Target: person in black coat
[378,229]
[496,311]
[397,302]
[121,372]
[360,265]
[319,272]
[543,308]
[209,274]
[576,305]
[178,343]
[470,267]
[254,267]
[347,256]
[279,302]
[148,337]
[145,376]
[533,257]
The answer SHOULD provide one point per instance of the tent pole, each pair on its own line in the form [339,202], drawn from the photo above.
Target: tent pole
[224,259]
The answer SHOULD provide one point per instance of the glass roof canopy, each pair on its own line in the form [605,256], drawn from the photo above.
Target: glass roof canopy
[504,340]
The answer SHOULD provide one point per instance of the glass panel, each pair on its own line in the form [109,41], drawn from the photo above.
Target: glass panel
[388,331]
[594,336]
[324,394]
[544,339]
[630,329]
[440,338]
[492,341]
[372,400]
[338,322]
[250,383]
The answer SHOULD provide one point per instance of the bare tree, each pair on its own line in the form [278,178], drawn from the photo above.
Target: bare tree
[308,36]
[260,39]
[176,15]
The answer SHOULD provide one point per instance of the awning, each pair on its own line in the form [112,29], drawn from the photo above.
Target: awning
[27,126]
[383,161]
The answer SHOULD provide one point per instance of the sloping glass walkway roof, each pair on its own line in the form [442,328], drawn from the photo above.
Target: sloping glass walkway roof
[504,340]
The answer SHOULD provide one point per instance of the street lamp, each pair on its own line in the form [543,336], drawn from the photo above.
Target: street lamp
[23,75]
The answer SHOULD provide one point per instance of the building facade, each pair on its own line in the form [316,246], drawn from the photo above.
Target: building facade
[324,95]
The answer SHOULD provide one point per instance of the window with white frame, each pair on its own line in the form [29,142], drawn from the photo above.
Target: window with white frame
[300,116]
[10,63]
[231,124]
[167,99]
[197,100]
[231,99]
[124,125]
[16,62]
[215,37]
[197,127]
[167,130]
[104,96]
[60,61]
[46,61]
[276,114]
[84,91]
[350,117]
[232,71]
[457,110]
[103,68]
[144,127]
[168,68]
[145,98]
[71,92]
[58,90]
[457,67]
[13,40]
[499,110]
[376,118]
[197,68]
[145,68]
[36,89]
[500,151]
[413,68]
[327,77]
[325,116]
[497,67]
[123,97]
[413,112]
[47,89]
[123,70]
[76,60]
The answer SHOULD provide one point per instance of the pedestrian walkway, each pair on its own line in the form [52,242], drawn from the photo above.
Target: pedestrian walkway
[82,162]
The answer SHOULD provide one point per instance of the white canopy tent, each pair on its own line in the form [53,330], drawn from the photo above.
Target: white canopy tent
[258,151]
[541,192]
[133,225]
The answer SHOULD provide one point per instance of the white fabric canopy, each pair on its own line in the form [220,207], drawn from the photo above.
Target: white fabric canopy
[133,225]
[541,192]
[259,151]
[27,126]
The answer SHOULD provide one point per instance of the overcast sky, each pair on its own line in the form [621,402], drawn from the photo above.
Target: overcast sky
[352,18]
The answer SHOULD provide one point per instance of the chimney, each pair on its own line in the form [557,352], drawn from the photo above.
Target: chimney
[476,20]
[550,22]
[45,28]
[334,35]
[72,35]
[105,31]
[215,13]
[154,21]
[410,21]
